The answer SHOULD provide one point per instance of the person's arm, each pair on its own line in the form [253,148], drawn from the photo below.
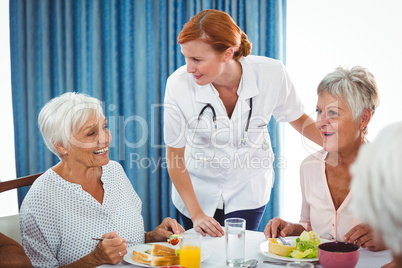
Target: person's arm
[162,232]
[109,251]
[91,260]
[305,219]
[277,226]
[181,179]
[306,126]
[363,236]
[12,254]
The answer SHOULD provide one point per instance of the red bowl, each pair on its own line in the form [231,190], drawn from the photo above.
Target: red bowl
[338,254]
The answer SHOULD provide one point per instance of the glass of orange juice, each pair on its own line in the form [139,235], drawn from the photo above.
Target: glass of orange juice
[190,250]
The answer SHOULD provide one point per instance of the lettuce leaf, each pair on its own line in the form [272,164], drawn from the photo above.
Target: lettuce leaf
[297,254]
[310,237]
[306,245]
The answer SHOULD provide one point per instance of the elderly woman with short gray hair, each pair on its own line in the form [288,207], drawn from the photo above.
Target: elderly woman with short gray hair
[84,196]
[347,99]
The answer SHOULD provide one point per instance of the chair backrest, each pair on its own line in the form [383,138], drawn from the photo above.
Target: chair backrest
[10,225]
[19,182]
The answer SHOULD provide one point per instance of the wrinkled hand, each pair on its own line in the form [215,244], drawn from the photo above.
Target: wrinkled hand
[207,225]
[363,236]
[112,249]
[162,232]
[276,225]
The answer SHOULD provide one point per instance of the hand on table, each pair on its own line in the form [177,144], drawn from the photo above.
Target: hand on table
[363,236]
[277,225]
[112,249]
[162,232]
[207,225]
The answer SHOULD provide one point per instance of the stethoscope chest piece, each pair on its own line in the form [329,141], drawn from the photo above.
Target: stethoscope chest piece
[265,144]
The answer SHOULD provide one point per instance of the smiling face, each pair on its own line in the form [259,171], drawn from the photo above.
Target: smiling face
[335,122]
[202,61]
[89,146]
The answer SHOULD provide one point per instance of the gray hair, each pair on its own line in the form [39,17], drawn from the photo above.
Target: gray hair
[377,185]
[63,116]
[357,86]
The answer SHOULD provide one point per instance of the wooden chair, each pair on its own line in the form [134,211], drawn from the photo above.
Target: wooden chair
[10,225]
[19,182]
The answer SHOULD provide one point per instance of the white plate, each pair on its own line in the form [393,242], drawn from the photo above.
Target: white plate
[264,249]
[143,247]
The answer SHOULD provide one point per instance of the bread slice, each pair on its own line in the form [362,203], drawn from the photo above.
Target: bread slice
[162,250]
[161,255]
[142,257]
[165,260]
[279,249]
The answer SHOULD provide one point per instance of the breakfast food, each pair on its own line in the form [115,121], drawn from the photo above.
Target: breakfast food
[279,249]
[305,246]
[161,250]
[174,239]
[157,256]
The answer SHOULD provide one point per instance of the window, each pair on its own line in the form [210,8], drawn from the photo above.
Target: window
[8,200]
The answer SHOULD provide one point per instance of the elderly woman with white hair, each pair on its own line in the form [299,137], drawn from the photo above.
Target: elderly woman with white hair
[347,99]
[84,196]
[377,186]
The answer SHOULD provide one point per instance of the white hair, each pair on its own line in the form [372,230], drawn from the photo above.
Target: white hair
[377,185]
[356,85]
[63,116]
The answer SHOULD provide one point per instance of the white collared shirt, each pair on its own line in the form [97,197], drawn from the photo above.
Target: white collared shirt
[240,174]
[58,218]
[318,210]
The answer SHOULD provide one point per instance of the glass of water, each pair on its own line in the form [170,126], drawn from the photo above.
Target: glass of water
[235,229]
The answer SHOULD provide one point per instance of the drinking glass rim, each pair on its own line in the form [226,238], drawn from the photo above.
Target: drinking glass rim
[235,220]
[190,235]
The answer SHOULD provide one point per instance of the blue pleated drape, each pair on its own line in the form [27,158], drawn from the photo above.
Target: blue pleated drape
[120,52]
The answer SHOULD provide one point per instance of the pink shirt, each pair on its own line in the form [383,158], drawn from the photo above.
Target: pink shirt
[318,212]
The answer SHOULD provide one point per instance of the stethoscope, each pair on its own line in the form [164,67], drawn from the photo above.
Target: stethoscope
[244,139]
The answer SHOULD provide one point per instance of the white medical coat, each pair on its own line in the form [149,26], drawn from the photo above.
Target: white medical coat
[241,174]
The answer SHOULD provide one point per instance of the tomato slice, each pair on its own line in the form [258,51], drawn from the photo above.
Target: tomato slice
[174,241]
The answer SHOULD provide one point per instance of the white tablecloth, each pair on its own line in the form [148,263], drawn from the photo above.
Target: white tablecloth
[215,247]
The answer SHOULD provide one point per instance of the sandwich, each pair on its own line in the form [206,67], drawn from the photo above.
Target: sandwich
[162,250]
[158,255]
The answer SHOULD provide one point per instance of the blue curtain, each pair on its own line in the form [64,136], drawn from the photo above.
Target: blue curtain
[120,52]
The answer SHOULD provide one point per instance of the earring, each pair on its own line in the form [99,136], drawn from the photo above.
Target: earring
[65,152]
